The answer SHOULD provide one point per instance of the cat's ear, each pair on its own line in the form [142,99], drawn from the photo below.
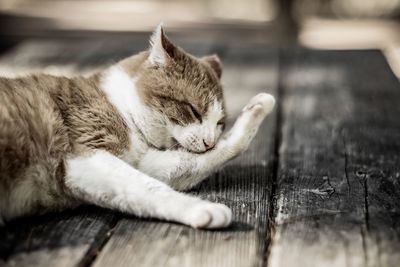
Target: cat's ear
[215,64]
[161,48]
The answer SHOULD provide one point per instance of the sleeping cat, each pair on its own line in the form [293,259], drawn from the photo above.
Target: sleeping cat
[126,138]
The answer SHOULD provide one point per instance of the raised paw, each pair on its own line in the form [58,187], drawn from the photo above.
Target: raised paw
[262,101]
[255,111]
[209,215]
[246,126]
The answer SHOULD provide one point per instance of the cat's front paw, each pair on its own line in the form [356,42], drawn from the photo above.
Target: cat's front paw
[247,124]
[260,104]
[209,215]
[254,113]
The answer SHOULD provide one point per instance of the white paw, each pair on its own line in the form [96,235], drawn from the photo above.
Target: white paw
[209,215]
[263,102]
[255,111]
[249,121]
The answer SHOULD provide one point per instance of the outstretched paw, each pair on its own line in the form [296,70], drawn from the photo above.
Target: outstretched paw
[209,215]
[247,124]
[261,102]
[255,112]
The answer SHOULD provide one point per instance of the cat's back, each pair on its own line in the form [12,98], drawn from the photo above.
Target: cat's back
[30,121]
[33,139]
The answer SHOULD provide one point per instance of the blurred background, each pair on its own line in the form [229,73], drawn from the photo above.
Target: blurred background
[317,24]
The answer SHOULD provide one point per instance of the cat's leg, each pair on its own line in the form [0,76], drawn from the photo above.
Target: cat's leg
[183,170]
[104,180]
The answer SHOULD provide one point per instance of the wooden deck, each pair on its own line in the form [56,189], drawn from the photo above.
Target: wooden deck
[320,185]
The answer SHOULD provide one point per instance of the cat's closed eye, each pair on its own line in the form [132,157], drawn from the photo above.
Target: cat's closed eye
[221,123]
[195,113]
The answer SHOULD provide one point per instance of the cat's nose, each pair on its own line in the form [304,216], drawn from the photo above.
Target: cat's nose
[208,144]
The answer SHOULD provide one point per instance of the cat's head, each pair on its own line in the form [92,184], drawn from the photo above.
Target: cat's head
[186,90]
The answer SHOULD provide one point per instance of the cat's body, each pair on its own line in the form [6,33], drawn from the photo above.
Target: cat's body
[123,139]
[44,120]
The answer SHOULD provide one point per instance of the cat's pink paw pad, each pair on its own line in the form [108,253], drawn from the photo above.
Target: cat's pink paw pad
[210,215]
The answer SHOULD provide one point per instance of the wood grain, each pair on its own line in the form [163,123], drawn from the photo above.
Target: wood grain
[62,239]
[338,179]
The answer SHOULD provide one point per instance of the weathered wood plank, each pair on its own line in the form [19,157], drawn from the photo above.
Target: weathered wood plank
[65,57]
[338,193]
[63,239]
[372,150]
[244,185]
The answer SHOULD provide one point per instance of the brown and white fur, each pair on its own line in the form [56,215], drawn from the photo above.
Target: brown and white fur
[125,138]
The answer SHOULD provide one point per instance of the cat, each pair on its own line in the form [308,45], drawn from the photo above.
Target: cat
[127,138]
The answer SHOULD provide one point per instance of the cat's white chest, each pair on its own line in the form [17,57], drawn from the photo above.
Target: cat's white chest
[145,130]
